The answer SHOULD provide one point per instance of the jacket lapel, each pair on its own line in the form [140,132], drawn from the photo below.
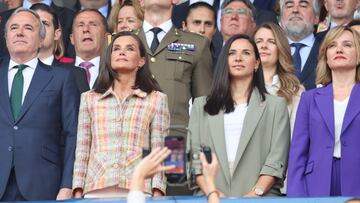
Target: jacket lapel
[218,137]
[41,78]
[353,107]
[4,89]
[325,102]
[172,36]
[142,37]
[311,62]
[254,112]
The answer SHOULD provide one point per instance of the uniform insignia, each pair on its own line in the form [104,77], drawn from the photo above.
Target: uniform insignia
[180,47]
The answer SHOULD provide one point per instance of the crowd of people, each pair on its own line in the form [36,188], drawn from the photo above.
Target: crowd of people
[88,96]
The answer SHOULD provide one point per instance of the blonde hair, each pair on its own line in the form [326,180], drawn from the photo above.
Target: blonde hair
[323,71]
[113,18]
[289,83]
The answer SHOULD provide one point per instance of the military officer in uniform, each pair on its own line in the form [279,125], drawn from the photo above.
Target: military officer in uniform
[180,61]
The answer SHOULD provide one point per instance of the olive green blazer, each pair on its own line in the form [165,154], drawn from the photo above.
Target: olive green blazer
[181,74]
[262,150]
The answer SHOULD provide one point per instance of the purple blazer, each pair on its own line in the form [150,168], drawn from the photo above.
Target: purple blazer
[312,146]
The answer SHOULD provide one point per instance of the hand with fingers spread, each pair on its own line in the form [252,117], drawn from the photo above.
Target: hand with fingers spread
[149,166]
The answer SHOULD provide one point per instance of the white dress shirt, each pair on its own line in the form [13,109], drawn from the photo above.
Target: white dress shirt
[94,71]
[339,114]
[233,124]
[165,26]
[28,74]
[305,51]
[274,87]
[48,61]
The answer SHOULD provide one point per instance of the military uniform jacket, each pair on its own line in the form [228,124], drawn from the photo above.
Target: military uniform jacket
[182,65]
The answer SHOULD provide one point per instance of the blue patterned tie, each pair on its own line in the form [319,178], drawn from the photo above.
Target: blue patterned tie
[296,57]
[17,90]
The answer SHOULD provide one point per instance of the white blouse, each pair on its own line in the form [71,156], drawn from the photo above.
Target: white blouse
[339,113]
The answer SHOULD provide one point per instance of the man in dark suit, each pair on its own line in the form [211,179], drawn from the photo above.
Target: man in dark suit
[66,19]
[298,18]
[47,50]
[38,104]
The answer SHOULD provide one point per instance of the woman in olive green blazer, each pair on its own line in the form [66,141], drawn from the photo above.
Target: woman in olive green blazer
[258,164]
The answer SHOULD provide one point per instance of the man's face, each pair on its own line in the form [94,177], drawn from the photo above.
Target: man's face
[51,34]
[22,36]
[236,18]
[298,17]
[201,20]
[89,34]
[340,9]
[94,4]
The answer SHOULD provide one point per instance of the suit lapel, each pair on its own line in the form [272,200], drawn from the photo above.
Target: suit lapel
[353,107]
[311,62]
[254,112]
[218,137]
[142,37]
[4,89]
[40,79]
[325,102]
[170,37]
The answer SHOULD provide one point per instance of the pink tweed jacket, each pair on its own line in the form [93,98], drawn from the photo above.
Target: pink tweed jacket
[111,137]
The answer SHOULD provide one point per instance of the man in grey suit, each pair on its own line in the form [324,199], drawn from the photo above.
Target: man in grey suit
[180,61]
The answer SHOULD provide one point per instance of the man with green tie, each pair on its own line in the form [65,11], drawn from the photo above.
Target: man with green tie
[38,103]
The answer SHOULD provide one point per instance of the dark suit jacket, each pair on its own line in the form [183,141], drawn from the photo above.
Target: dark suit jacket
[32,141]
[65,16]
[79,75]
[308,74]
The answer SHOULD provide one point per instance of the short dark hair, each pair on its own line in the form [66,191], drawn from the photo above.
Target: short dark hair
[49,10]
[144,79]
[220,96]
[247,4]
[103,19]
[354,23]
[202,4]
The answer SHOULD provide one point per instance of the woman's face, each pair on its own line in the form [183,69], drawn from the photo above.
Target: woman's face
[242,60]
[125,56]
[127,20]
[266,43]
[341,53]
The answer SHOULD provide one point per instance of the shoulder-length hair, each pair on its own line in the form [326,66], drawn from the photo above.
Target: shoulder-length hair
[220,97]
[289,83]
[144,79]
[323,71]
[113,17]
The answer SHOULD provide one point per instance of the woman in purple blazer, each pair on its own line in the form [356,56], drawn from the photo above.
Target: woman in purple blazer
[324,155]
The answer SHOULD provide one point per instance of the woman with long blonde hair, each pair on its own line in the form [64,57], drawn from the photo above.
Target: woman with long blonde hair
[279,73]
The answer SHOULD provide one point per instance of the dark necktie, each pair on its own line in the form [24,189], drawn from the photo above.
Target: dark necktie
[87,65]
[155,42]
[17,90]
[296,57]
[216,5]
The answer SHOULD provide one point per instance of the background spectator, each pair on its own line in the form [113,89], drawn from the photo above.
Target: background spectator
[126,17]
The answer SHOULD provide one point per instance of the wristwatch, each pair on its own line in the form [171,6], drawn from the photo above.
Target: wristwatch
[258,191]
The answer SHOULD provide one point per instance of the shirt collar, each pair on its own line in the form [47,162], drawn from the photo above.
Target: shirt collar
[95,61]
[165,26]
[211,2]
[27,4]
[308,41]
[136,92]
[104,10]
[275,80]
[31,64]
[48,61]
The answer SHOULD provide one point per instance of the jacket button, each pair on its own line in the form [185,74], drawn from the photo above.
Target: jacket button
[116,165]
[15,127]
[10,148]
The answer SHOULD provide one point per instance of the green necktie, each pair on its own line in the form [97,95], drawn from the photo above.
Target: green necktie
[17,90]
